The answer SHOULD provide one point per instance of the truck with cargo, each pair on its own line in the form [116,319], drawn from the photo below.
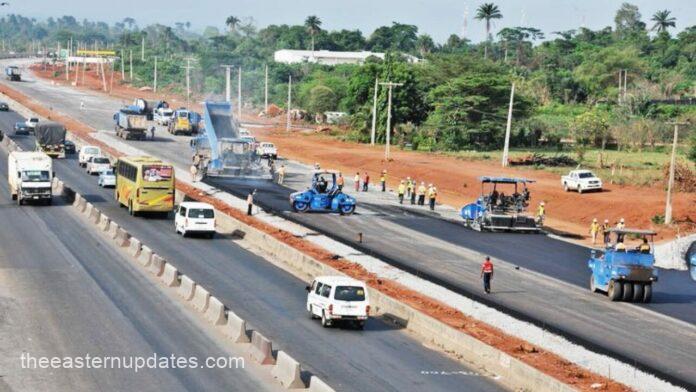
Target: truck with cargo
[50,139]
[30,175]
[13,73]
[131,123]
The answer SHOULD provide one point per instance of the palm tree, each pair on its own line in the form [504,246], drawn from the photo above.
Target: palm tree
[663,21]
[232,22]
[313,25]
[488,11]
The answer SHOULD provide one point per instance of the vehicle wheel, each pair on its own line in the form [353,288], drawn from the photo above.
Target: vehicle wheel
[647,293]
[347,209]
[300,206]
[614,291]
[565,187]
[211,235]
[310,311]
[324,322]
[593,288]
[14,196]
[131,211]
[627,291]
[49,202]
[637,292]
[360,325]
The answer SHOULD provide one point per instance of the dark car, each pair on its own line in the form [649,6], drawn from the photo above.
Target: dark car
[69,147]
[21,128]
[4,107]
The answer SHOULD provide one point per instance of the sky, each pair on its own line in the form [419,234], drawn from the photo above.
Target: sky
[438,18]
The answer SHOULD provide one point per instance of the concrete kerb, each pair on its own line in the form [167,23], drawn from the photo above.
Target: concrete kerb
[104,222]
[170,276]
[122,237]
[200,298]
[156,266]
[287,371]
[113,229]
[80,203]
[88,208]
[261,349]
[216,311]
[187,288]
[94,214]
[144,256]
[134,247]
[235,328]
[316,384]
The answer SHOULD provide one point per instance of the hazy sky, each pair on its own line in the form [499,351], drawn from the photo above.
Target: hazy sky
[439,18]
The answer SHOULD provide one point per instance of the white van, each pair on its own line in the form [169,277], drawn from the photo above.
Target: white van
[87,152]
[338,298]
[195,218]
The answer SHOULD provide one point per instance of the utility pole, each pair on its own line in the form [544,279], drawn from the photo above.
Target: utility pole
[228,87]
[506,148]
[374,114]
[103,75]
[67,68]
[142,49]
[387,147]
[123,67]
[670,183]
[239,95]
[154,78]
[188,80]
[131,65]
[287,124]
[624,84]
[265,93]
[620,87]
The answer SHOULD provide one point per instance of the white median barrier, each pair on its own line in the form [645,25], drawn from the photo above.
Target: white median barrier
[60,186]
[261,349]
[122,237]
[316,384]
[235,328]
[144,256]
[88,209]
[187,288]
[80,203]
[170,276]
[104,222]
[134,247]
[113,229]
[216,311]
[156,266]
[94,214]
[200,298]
[287,371]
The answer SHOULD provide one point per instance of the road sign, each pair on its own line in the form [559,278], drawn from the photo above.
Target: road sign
[96,53]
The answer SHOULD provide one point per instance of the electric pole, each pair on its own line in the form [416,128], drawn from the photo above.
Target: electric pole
[154,85]
[228,90]
[287,124]
[374,113]
[188,80]
[239,95]
[265,93]
[123,66]
[142,49]
[390,85]
[670,183]
[506,148]
[131,65]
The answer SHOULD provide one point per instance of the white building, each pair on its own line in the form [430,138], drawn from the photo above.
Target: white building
[327,57]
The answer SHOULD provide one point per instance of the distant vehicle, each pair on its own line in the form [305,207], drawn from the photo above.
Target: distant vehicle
[195,218]
[32,123]
[195,120]
[323,195]
[131,123]
[691,259]
[144,184]
[163,115]
[267,150]
[21,128]
[87,152]
[581,181]
[180,124]
[107,178]
[338,299]
[30,176]
[625,274]
[13,73]
[97,165]
[69,147]
[50,138]
[4,107]
[496,211]
[335,117]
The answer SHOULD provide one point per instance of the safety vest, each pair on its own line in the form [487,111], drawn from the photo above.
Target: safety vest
[357,178]
[421,190]
[432,193]
[382,178]
[594,228]
[542,211]
[410,185]
[487,267]
[402,189]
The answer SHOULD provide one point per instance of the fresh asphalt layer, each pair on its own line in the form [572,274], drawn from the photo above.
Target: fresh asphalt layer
[382,357]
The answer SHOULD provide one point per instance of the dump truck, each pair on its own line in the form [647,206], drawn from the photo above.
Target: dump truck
[50,139]
[130,122]
[13,73]
[180,123]
[30,175]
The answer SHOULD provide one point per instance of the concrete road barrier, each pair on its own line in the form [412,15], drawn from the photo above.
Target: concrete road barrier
[187,288]
[134,247]
[94,214]
[235,328]
[113,229]
[60,186]
[88,209]
[80,203]
[122,237]
[216,311]
[170,276]
[156,266]
[104,222]
[145,255]
[287,371]
[200,298]
[316,384]
[261,349]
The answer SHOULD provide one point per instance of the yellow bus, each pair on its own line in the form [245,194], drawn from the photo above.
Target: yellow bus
[144,184]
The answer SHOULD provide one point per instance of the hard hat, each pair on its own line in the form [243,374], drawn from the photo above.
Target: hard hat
[541,203]
[606,221]
[622,220]
[594,220]
[430,184]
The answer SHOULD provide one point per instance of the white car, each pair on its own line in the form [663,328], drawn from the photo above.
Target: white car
[267,150]
[31,123]
[97,165]
[338,298]
[87,152]
[195,218]
[162,116]
[107,178]
[581,181]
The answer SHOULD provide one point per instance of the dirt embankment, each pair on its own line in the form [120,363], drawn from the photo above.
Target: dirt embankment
[545,361]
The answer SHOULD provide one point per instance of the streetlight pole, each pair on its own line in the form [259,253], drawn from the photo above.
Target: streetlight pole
[154,85]
[387,146]
[265,93]
[228,90]
[506,148]
[670,183]
[287,124]
[374,113]
[239,94]
[188,80]
[131,65]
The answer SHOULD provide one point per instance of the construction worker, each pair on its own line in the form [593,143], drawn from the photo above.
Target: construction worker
[413,192]
[152,132]
[594,230]
[644,247]
[383,180]
[409,187]
[400,191]
[432,195]
[620,246]
[250,201]
[194,173]
[340,181]
[487,274]
[357,181]
[620,226]
[541,213]
[421,194]
[605,232]
[366,182]
[281,174]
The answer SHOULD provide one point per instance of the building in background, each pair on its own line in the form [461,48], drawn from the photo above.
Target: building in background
[327,57]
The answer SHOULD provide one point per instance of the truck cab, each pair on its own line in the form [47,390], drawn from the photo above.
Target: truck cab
[180,124]
[30,176]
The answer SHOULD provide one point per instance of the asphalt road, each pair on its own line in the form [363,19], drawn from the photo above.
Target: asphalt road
[63,293]
[435,250]
[382,357]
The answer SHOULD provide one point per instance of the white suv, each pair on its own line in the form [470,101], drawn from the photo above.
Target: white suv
[338,298]
[196,218]
[97,165]
[87,152]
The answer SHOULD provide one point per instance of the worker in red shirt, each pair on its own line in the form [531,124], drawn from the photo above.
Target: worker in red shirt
[487,274]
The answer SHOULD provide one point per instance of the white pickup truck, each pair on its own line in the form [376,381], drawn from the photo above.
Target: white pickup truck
[581,181]
[267,150]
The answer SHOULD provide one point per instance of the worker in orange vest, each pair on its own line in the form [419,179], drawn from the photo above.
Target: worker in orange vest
[487,274]
[340,181]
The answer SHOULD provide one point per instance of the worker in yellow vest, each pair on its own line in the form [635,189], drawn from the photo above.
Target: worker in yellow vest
[421,194]
[432,195]
[383,180]
[594,230]
[400,191]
